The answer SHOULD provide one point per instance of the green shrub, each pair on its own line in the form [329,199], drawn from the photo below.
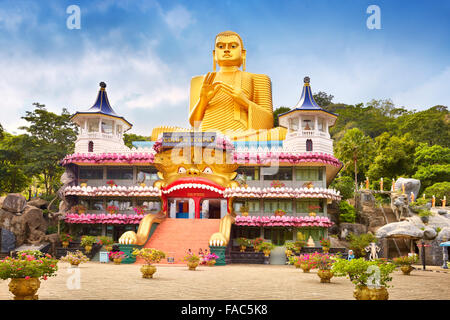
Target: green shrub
[439,190]
[347,212]
[345,185]
[358,243]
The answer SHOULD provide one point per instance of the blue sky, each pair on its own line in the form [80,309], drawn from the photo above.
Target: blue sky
[147,52]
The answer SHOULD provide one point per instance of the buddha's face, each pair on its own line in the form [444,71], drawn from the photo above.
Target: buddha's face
[228,51]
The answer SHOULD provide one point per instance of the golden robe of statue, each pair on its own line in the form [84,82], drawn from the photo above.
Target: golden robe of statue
[231,100]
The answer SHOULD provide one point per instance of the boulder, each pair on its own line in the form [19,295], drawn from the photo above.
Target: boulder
[346,228]
[399,229]
[411,185]
[14,202]
[39,203]
[444,235]
[429,233]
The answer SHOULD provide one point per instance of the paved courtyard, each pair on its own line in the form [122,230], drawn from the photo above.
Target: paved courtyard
[109,281]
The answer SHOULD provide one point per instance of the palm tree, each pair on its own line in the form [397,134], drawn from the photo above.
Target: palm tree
[353,146]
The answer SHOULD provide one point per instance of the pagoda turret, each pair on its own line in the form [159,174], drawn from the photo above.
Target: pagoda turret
[308,124]
[101,128]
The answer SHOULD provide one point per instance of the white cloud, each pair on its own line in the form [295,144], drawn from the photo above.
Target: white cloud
[178,18]
[134,80]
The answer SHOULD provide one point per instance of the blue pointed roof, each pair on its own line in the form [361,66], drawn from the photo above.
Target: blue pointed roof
[102,106]
[307,102]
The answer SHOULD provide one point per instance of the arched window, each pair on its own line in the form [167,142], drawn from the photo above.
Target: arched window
[309,145]
[91,146]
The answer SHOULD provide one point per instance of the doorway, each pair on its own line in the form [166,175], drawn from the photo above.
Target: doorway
[213,208]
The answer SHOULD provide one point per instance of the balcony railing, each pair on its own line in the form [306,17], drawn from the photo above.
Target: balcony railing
[308,133]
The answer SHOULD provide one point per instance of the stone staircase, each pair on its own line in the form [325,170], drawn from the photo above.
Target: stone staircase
[176,236]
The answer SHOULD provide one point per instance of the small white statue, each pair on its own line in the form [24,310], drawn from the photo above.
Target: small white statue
[310,242]
[373,249]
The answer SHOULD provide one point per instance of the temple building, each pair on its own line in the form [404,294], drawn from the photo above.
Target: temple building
[205,187]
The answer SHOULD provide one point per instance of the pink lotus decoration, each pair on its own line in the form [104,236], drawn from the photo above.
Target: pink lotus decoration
[284,221]
[250,157]
[103,218]
[284,192]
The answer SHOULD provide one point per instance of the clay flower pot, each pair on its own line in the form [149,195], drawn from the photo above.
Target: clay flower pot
[147,271]
[88,249]
[24,289]
[406,269]
[117,261]
[65,244]
[366,293]
[325,275]
[211,263]
[192,265]
[305,267]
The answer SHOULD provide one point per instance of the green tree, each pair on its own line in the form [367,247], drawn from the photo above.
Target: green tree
[431,126]
[354,150]
[432,163]
[51,137]
[323,99]
[12,162]
[395,157]
[345,185]
[439,190]
[128,138]
[277,112]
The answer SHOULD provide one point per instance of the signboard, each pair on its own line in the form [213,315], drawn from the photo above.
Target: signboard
[188,139]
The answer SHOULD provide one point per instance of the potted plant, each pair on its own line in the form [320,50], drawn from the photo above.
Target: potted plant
[256,242]
[307,261]
[323,262]
[369,277]
[192,261]
[313,210]
[65,239]
[83,182]
[266,248]
[244,210]
[211,258]
[277,184]
[243,243]
[290,248]
[117,256]
[112,209]
[326,244]
[25,271]
[424,215]
[105,241]
[405,263]
[111,183]
[150,256]
[279,213]
[308,185]
[74,258]
[87,242]
[298,245]
[79,208]
[139,210]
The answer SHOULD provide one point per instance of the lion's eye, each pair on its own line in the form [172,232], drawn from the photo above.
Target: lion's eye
[207,170]
[181,170]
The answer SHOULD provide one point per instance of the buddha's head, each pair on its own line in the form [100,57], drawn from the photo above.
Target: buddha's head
[229,50]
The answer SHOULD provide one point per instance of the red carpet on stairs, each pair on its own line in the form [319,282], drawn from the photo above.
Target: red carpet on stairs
[176,236]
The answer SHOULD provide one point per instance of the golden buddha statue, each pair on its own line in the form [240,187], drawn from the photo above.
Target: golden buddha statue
[234,102]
